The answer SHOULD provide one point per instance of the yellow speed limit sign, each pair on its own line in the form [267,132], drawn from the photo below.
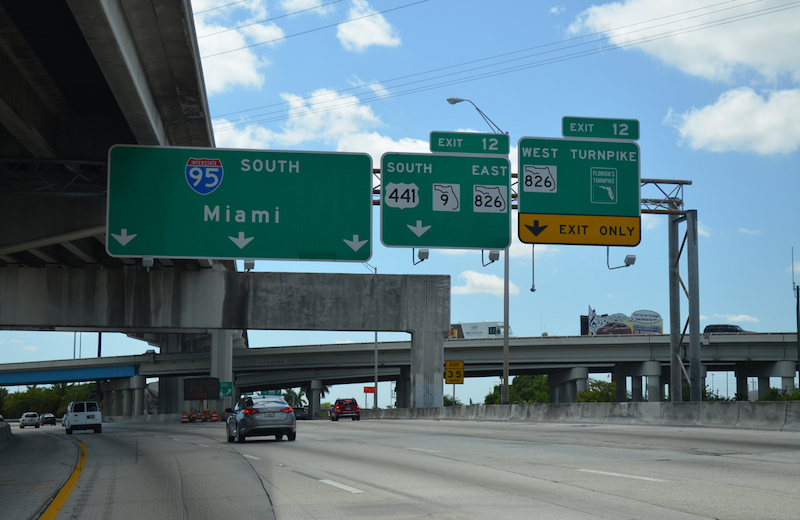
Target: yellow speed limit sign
[454,372]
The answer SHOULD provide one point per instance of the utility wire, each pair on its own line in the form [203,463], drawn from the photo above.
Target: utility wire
[339,103]
[313,30]
[497,56]
[269,19]
[219,7]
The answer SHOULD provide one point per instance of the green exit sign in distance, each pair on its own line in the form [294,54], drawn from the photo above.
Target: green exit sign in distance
[600,128]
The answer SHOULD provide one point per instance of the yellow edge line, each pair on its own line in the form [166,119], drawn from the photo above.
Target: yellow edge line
[58,502]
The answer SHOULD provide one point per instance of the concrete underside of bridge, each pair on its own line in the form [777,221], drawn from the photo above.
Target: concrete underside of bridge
[171,302]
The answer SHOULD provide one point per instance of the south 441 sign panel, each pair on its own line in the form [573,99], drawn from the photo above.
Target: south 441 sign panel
[445,201]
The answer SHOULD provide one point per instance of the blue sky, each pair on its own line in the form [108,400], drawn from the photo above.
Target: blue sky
[714,84]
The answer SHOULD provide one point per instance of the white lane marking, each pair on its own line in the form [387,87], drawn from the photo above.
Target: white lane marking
[251,457]
[204,445]
[341,486]
[621,475]
[423,450]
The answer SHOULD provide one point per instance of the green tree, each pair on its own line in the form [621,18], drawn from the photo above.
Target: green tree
[523,390]
[774,394]
[448,401]
[598,392]
[306,390]
[294,398]
[706,395]
[52,399]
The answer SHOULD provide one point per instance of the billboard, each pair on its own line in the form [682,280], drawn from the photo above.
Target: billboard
[639,322]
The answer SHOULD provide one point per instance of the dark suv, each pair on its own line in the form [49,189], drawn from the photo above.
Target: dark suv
[726,327]
[345,408]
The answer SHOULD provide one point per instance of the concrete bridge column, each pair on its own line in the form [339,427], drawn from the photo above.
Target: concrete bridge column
[786,371]
[637,396]
[764,371]
[314,398]
[621,381]
[222,363]
[117,400]
[741,386]
[403,388]
[650,369]
[127,402]
[108,397]
[137,384]
[567,384]
[170,389]
[763,386]
[655,390]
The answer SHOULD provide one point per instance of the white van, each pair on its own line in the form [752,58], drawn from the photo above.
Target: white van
[83,415]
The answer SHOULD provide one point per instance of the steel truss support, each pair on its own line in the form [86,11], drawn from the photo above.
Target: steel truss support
[671,203]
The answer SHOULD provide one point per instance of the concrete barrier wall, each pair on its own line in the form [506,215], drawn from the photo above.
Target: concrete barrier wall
[5,432]
[772,415]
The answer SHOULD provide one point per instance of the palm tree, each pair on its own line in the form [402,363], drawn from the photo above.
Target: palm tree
[307,390]
[295,399]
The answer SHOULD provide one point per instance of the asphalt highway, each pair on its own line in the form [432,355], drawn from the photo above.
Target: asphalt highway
[398,469]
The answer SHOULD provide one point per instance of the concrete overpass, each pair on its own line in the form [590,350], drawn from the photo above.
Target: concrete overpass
[79,76]
[568,361]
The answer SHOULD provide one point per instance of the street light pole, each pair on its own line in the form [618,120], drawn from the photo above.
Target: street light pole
[504,389]
[375,395]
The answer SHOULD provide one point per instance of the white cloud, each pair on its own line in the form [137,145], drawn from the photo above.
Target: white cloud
[742,120]
[326,116]
[650,221]
[479,283]
[315,6]
[557,9]
[29,348]
[241,68]
[737,318]
[376,88]
[752,43]
[364,30]
[703,231]
[749,231]
[376,145]
[713,42]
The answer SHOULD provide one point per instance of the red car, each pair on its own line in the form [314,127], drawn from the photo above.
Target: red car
[614,328]
[345,408]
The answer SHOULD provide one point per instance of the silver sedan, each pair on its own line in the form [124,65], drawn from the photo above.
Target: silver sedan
[258,416]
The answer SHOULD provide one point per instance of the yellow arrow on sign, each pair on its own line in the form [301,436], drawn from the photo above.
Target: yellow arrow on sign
[594,230]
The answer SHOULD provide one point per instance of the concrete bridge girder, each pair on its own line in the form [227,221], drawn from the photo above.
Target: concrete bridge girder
[135,300]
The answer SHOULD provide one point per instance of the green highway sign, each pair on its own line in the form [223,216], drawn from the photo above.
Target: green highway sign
[445,201]
[238,204]
[600,128]
[575,191]
[470,142]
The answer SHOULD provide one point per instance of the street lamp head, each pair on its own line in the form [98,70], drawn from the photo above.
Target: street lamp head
[630,260]
[492,125]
